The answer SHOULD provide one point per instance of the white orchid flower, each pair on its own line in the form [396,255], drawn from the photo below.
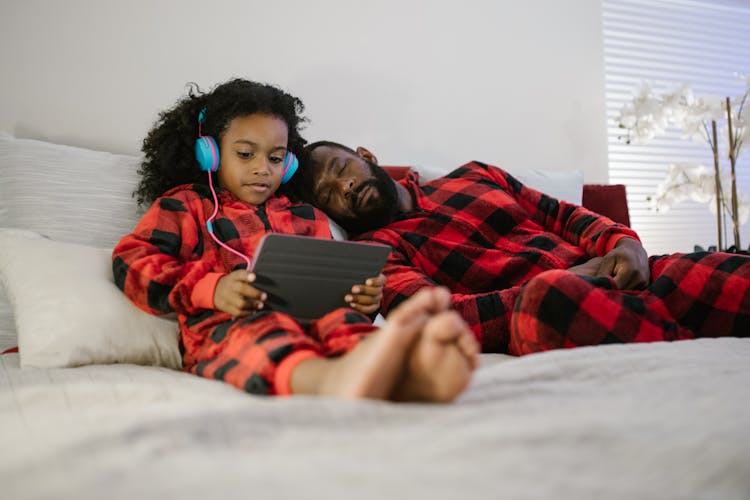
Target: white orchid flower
[683,182]
[648,115]
[644,117]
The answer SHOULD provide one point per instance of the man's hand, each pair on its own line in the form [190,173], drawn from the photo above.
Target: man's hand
[588,268]
[627,263]
[235,295]
[366,298]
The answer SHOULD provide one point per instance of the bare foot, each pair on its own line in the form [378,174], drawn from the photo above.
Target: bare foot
[375,367]
[441,362]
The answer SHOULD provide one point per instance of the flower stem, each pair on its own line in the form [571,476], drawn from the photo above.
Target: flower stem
[735,215]
[738,136]
[719,209]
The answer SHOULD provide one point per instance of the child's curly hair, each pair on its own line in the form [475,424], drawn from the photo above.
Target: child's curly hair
[169,147]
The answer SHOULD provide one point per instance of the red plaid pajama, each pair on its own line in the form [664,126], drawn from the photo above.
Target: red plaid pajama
[170,254]
[690,295]
[490,239]
[248,353]
[483,234]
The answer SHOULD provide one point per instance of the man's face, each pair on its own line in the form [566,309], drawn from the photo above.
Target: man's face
[352,190]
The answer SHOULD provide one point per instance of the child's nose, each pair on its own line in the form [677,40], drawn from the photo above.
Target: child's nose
[262,167]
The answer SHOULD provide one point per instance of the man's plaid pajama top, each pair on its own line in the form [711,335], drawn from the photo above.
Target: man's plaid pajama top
[503,248]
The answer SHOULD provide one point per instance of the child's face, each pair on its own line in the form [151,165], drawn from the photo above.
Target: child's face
[252,152]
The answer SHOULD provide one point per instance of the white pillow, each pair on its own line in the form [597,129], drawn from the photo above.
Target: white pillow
[564,185]
[560,184]
[67,193]
[69,312]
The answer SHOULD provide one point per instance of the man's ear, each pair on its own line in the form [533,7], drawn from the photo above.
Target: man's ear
[364,153]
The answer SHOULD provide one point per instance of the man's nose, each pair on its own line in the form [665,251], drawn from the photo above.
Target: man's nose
[346,186]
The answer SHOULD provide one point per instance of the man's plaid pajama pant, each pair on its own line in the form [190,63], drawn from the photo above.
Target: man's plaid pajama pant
[690,295]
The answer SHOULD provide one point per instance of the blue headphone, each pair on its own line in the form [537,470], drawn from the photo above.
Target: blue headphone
[207,153]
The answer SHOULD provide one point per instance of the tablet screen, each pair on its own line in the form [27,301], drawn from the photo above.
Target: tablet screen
[308,277]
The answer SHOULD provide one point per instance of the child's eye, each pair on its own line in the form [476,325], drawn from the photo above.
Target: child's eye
[276,159]
[244,155]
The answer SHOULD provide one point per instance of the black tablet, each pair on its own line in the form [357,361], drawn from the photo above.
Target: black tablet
[308,277]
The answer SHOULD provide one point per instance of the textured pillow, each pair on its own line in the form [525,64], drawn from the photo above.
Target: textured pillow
[8,338]
[69,194]
[68,311]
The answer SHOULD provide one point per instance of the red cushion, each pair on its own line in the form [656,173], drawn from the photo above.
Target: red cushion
[397,173]
[609,200]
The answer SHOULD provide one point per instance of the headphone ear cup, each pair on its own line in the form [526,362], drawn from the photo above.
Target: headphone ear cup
[291,164]
[207,153]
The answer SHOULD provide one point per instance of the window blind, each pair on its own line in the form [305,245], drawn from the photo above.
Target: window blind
[667,43]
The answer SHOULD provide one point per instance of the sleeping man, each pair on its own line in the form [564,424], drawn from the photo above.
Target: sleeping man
[526,271]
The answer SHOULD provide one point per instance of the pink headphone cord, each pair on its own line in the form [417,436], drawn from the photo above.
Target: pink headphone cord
[210,226]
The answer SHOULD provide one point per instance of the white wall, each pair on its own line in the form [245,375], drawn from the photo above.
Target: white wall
[518,84]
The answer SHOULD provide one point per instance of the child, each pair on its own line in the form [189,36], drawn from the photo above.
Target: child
[188,255]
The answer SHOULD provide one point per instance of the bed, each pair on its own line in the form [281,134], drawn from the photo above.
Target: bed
[96,407]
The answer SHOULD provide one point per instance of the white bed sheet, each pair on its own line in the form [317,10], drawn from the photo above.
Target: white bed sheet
[636,421]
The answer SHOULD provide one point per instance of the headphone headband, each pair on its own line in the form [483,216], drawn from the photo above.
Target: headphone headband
[207,153]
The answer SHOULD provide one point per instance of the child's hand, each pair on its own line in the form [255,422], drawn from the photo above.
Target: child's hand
[366,298]
[235,295]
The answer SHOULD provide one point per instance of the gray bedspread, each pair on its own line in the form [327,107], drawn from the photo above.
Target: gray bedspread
[649,421]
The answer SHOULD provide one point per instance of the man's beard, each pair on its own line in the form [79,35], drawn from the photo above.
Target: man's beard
[380,210]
